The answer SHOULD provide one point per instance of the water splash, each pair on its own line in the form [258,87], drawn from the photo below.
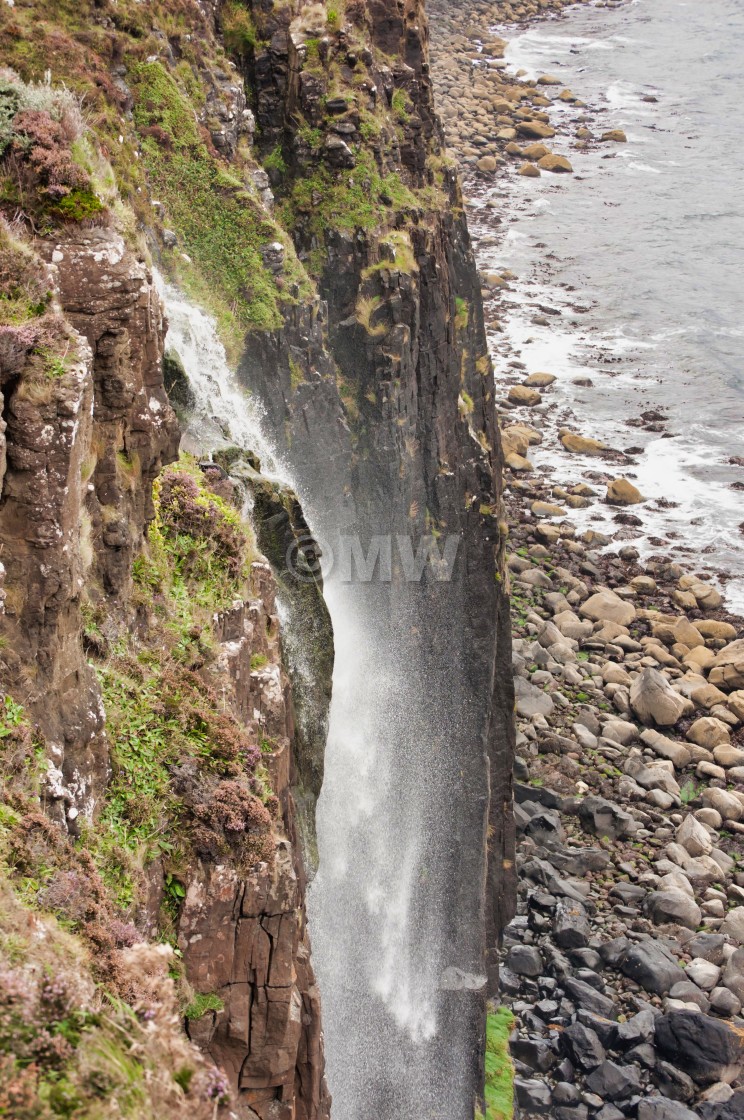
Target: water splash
[225,414]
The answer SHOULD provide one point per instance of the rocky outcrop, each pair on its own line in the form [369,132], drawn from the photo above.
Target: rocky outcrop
[84,444]
[384,404]
[83,448]
[244,938]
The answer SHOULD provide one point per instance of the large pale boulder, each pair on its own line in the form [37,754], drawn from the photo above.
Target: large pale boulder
[620,492]
[538,129]
[727,670]
[653,699]
[581,445]
[708,732]
[522,394]
[556,164]
[733,924]
[571,626]
[677,753]
[606,606]
[694,837]
[710,628]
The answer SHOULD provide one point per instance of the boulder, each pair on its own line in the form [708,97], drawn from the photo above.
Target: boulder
[711,628]
[727,670]
[694,837]
[529,171]
[583,1047]
[571,626]
[733,974]
[614,1082]
[673,906]
[532,1095]
[531,700]
[652,966]
[708,1049]
[524,960]
[540,380]
[677,753]
[661,1108]
[703,973]
[724,802]
[556,164]
[546,509]
[616,135]
[571,929]
[708,732]
[522,394]
[620,492]
[733,924]
[653,699]
[604,818]
[535,151]
[581,445]
[606,606]
[538,129]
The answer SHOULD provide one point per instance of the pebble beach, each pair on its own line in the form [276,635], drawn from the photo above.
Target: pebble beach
[624,967]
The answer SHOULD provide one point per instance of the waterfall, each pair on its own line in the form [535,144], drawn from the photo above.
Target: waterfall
[224,413]
[396,957]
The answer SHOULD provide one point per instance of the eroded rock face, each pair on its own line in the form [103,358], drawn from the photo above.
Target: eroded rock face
[82,448]
[81,451]
[246,941]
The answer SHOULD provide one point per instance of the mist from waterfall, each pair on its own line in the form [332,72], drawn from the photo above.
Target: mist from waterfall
[399,1002]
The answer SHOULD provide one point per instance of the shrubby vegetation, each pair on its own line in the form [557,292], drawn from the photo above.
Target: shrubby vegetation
[89,1012]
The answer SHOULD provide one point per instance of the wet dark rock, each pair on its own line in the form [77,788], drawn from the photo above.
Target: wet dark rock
[639,1028]
[613,952]
[524,960]
[614,1082]
[709,1049]
[603,1027]
[709,946]
[652,966]
[659,1108]
[571,929]
[587,998]
[509,983]
[580,1112]
[644,1055]
[535,1053]
[604,818]
[532,1095]
[673,1083]
[176,383]
[582,1046]
[566,1093]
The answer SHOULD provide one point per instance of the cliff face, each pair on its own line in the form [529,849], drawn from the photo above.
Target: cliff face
[83,444]
[141,629]
[391,432]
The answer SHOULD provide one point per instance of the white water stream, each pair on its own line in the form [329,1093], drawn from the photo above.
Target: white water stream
[225,414]
[396,1005]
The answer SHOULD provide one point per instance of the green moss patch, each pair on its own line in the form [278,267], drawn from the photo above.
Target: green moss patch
[499,1088]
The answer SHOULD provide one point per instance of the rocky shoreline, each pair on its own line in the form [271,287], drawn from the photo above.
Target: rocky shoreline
[624,967]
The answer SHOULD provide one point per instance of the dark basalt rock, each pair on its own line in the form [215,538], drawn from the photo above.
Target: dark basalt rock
[583,1046]
[613,1081]
[652,966]
[709,1049]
